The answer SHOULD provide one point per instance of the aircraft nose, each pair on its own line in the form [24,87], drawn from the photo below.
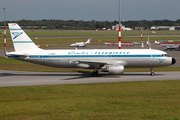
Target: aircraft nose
[173,61]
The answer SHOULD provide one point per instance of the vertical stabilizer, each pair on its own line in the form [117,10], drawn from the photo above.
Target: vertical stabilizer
[20,39]
[88,41]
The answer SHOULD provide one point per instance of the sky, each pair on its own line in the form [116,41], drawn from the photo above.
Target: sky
[88,10]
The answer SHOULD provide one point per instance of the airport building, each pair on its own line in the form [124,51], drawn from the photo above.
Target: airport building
[123,28]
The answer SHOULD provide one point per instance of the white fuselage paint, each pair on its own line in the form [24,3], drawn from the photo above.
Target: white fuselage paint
[126,57]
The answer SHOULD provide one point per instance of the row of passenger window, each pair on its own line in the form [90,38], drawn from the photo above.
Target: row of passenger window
[90,56]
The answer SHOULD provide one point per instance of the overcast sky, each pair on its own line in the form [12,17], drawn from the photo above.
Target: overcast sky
[87,10]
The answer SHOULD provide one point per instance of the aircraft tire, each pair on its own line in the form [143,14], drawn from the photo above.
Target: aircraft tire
[152,74]
[94,74]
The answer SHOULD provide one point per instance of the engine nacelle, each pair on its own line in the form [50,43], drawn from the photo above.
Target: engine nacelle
[114,69]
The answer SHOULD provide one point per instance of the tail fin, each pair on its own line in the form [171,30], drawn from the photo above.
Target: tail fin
[20,39]
[88,41]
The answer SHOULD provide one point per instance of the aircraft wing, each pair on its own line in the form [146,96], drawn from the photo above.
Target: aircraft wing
[93,63]
[100,64]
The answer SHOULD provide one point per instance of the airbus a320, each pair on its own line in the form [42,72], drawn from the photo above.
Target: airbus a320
[108,60]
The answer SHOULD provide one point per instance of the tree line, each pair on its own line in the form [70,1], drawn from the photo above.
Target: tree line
[91,25]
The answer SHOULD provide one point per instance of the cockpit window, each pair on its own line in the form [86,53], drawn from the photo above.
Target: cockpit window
[165,55]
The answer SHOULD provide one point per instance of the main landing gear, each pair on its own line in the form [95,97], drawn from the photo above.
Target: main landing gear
[152,72]
[95,72]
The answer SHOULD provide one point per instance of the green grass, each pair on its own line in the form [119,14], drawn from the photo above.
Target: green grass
[55,33]
[153,100]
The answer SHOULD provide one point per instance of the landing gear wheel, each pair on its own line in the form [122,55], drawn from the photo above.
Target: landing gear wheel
[152,72]
[94,74]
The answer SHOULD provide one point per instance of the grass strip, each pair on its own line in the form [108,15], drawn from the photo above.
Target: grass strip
[157,100]
[71,33]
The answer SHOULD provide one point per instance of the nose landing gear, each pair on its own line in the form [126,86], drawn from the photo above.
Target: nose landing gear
[152,72]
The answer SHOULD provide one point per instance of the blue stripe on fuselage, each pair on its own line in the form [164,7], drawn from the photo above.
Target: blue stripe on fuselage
[91,56]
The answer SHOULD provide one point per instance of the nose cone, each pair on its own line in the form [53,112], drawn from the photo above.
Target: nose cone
[173,61]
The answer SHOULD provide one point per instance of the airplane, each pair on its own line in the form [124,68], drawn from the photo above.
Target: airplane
[81,44]
[158,42]
[108,60]
[171,47]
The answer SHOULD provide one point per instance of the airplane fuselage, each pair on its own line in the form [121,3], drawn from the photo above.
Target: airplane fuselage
[81,44]
[126,57]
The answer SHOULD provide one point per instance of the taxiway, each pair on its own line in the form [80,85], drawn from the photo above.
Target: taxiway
[25,78]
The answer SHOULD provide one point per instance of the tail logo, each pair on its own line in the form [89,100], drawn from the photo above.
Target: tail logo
[16,34]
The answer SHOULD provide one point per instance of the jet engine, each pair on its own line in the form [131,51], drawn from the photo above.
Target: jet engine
[114,69]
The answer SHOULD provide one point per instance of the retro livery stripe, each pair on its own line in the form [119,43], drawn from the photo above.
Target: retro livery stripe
[22,41]
[15,29]
[92,56]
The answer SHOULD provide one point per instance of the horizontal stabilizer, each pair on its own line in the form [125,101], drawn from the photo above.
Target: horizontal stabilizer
[12,54]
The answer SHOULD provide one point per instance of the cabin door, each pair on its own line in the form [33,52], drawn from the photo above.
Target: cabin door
[153,57]
[40,56]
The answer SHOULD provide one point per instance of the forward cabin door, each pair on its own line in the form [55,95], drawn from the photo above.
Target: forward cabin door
[153,57]
[40,56]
